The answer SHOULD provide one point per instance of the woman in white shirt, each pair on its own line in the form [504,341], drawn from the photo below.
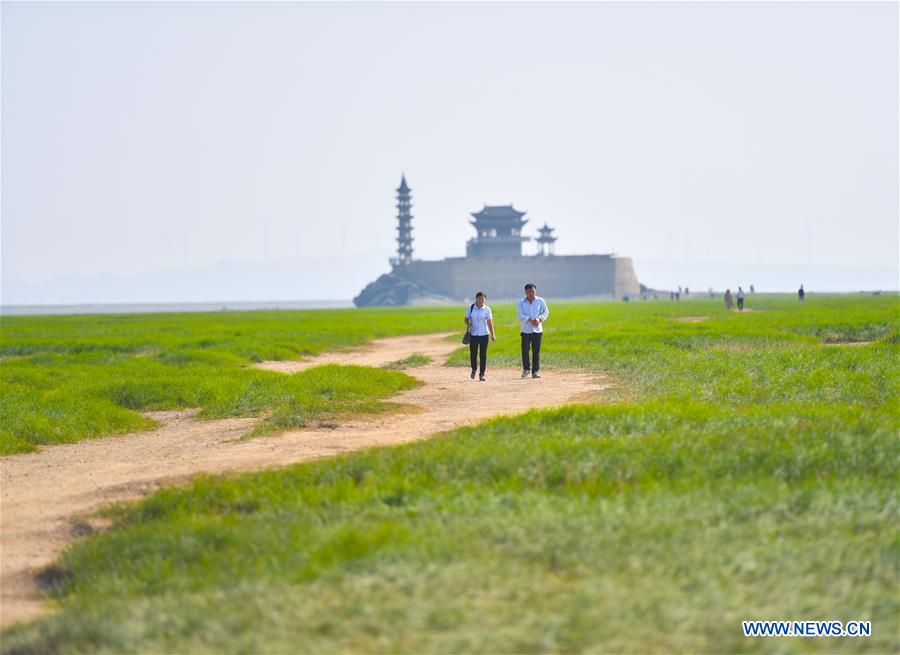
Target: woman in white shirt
[481,326]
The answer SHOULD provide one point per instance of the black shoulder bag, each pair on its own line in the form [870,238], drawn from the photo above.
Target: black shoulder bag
[467,336]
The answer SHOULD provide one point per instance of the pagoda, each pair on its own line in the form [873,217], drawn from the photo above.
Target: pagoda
[499,233]
[404,226]
[546,240]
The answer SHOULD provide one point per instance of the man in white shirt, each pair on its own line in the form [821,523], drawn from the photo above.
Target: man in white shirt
[532,312]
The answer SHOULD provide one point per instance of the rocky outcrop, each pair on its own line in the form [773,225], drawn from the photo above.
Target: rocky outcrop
[393,289]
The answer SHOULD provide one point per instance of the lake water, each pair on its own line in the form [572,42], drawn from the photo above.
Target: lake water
[154,308]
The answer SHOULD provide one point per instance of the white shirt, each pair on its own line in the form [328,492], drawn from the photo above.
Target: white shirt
[479,316]
[534,309]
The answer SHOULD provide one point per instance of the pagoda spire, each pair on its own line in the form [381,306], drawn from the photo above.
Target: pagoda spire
[404,225]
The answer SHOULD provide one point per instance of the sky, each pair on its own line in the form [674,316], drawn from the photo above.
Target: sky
[147,146]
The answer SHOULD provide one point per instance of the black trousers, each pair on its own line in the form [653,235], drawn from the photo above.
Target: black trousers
[533,341]
[478,345]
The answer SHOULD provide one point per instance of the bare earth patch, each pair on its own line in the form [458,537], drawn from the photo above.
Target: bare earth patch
[47,496]
[692,319]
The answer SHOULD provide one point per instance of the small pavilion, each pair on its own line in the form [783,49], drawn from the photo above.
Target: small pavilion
[546,241]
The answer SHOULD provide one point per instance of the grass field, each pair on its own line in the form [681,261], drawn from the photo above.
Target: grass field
[75,377]
[744,467]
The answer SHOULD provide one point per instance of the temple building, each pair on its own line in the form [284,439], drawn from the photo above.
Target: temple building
[494,263]
[499,233]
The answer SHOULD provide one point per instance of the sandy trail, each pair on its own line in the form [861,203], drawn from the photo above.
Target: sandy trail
[46,497]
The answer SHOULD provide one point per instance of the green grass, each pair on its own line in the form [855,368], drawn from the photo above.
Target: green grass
[414,360]
[71,378]
[741,469]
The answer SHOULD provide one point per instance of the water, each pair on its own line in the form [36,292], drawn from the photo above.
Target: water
[154,308]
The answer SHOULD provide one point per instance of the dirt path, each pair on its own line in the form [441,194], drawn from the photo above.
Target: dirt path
[46,497]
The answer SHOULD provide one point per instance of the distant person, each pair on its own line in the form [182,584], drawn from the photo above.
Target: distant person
[712,294]
[687,292]
[752,290]
[532,312]
[740,299]
[481,325]
[728,299]
[801,294]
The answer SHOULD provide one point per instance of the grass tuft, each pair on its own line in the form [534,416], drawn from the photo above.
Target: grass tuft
[414,360]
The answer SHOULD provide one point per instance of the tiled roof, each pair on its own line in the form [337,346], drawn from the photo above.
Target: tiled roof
[498,212]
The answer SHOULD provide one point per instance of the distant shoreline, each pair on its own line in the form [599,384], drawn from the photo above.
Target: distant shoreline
[170,307]
[261,305]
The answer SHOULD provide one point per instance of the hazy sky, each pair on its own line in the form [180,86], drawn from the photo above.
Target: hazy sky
[143,137]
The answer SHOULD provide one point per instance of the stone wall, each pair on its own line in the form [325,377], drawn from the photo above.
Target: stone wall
[562,276]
